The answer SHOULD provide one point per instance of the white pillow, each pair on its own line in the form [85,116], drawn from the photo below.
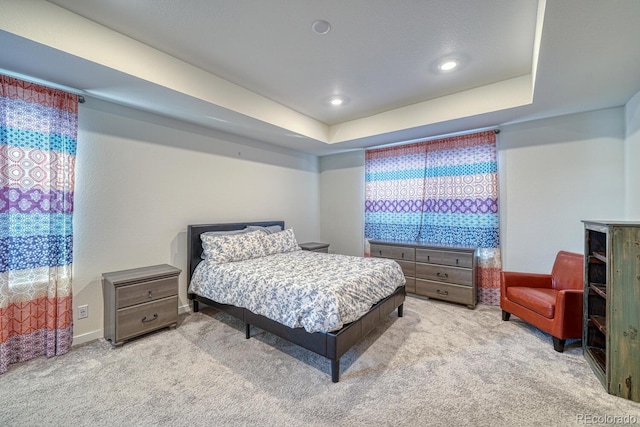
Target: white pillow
[234,247]
[284,241]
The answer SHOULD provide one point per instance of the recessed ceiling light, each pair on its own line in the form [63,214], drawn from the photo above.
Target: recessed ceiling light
[448,65]
[321,27]
[337,100]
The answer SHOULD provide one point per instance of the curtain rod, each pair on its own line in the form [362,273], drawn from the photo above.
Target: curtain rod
[433,138]
[30,79]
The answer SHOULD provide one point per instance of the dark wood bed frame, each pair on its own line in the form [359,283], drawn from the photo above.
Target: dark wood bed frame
[331,345]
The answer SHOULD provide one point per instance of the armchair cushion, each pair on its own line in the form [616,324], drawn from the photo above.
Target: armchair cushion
[540,300]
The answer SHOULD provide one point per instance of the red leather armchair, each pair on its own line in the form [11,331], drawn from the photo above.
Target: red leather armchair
[550,302]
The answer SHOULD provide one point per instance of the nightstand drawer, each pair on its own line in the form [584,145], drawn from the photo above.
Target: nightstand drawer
[138,319]
[444,291]
[460,276]
[145,291]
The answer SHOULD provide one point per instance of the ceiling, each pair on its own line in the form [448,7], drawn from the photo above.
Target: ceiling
[258,70]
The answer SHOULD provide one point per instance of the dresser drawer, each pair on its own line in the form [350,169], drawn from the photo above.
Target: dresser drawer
[458,259]
[146,291]
[460,276]
[444,291]
[394,252]
[410,286]
[142,318]
[429,255]
[408,268]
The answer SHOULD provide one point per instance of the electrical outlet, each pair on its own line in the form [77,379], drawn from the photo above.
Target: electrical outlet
[83,311]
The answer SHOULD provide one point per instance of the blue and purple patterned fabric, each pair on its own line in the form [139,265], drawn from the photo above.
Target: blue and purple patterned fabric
[442,192]
[38,130]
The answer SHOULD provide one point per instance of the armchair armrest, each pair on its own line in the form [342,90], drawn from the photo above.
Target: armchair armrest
[529,280]
[568,316]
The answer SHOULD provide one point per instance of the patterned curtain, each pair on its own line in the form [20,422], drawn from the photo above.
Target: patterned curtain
[442,192]
[38,130]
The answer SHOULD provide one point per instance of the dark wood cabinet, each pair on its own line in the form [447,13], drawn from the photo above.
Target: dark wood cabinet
[139,301]
[611,322]
[439,272]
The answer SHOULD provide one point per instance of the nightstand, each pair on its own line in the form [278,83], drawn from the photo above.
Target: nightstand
[315,247]
[139,301]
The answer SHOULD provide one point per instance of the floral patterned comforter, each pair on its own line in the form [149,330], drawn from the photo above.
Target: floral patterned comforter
[317,291]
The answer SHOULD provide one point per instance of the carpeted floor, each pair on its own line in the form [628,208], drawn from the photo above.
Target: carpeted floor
[440,365]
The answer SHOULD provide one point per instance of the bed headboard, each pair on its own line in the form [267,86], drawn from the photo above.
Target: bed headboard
[194,244]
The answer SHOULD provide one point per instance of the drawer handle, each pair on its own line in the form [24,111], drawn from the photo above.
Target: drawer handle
[380,253]
[444,275]
[439,292]
[457,261]
[402,255]
[149,295]
[155,316]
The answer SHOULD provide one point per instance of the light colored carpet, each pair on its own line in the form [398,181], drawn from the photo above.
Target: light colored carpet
[440,365]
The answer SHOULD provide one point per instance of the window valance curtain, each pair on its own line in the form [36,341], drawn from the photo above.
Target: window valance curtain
[38,131]
[440,192]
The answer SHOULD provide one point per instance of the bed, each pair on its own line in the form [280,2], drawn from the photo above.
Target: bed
[331,344]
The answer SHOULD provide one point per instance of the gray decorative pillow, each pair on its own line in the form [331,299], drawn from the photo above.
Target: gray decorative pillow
[226,232]
[269,230]
[232,247]
[284,241]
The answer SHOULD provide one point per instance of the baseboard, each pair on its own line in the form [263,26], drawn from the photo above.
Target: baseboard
[85,338]
[94,335]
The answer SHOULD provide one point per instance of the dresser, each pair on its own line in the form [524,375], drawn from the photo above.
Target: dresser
[439,272]
[139,301]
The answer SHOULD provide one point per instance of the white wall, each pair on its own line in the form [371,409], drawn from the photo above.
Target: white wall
[141,179]
[342,202]
[632,158]
[553,174]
